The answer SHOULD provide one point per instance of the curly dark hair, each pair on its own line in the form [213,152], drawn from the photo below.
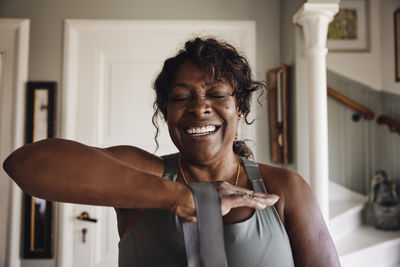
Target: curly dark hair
[221,60]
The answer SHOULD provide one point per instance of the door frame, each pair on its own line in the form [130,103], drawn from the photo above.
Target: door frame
[73,31]
[14,137]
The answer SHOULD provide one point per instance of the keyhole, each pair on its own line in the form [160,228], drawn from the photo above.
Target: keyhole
[84,232]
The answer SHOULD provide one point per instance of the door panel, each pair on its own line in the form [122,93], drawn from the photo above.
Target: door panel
[107,100]
[14,50]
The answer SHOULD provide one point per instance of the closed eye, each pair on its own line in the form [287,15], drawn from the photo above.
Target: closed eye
[179,99]
[220,95]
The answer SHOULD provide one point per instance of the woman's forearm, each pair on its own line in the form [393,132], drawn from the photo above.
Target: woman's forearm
[67,171]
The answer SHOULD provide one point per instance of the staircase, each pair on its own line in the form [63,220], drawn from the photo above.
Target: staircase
[359,244]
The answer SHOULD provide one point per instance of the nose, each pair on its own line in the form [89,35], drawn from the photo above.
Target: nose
[199,106]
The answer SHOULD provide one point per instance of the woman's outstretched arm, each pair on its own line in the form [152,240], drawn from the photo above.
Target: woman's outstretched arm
[121,177]
[67,171]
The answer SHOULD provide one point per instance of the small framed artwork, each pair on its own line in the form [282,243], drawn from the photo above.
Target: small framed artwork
[39,213]
[349,29]
[397,43]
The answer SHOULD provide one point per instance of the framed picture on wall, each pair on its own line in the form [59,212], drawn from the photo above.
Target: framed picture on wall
[397,43]
[349,29]
[39,213]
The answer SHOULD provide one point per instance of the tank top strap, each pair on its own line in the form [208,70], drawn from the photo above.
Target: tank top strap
[251,168]
[171,166]
[254,175]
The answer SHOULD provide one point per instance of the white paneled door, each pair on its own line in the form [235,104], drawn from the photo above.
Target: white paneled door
[14,53]
[109,67]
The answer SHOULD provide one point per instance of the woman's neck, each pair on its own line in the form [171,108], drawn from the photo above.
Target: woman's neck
[225,169]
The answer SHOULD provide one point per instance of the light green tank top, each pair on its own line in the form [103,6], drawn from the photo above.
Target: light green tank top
[157,239]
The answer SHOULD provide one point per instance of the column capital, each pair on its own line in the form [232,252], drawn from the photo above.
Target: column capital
[314,19]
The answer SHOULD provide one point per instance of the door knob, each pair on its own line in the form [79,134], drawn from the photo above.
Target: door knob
[85,217]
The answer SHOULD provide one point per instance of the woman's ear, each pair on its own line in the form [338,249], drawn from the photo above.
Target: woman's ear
[239,112]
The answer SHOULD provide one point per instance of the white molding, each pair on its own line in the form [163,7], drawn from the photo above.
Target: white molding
[70,62]
[314,19]
[68,115]
[311,9]
[101,94]
[20,68]
[65,237]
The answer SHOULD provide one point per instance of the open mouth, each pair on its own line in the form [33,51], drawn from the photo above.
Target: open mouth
[203,130]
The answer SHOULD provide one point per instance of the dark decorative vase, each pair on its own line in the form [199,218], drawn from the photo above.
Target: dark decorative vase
[384,203]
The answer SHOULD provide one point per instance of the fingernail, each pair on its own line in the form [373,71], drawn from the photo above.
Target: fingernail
[263,206]
[274,196]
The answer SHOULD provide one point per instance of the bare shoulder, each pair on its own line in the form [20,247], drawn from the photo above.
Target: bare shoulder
[285,183]
[299,211]
[137,158]
[282,179]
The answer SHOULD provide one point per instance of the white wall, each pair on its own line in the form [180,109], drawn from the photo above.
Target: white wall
[376,68]
[387,65]
[363,67]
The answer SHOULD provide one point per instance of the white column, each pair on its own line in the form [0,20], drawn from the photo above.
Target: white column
[314,19]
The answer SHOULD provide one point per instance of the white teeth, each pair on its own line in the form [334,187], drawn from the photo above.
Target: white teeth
[201,130]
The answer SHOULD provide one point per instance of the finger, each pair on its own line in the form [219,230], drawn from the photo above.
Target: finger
[227,188]
[268,200]
[259,194]
[248,200]
[245,190]
[190,219]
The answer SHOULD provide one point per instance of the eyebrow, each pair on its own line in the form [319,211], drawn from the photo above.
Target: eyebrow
[184,85]
[188,86]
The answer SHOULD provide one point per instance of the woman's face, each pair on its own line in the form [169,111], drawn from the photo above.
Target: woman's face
[202,114]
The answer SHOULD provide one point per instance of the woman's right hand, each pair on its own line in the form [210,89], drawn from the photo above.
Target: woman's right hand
[231,197]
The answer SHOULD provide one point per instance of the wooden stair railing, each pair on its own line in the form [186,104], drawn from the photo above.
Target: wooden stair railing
[394,126]
[368,114]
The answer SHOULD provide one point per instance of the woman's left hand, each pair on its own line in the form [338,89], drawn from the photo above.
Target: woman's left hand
[231,197]
[235,196]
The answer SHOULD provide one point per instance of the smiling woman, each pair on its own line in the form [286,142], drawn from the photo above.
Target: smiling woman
[203,92]
[197,106]
[221,72]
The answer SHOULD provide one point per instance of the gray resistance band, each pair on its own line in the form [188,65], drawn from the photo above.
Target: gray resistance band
[204,240]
